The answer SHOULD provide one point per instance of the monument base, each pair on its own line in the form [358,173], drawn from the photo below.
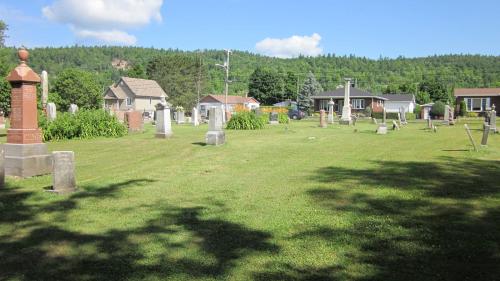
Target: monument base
[164,135]
[345,122]
[63,191]
[27,160]
[215,137]
[382,129]
[274,122]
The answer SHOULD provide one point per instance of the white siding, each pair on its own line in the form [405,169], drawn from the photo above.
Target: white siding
[394,106]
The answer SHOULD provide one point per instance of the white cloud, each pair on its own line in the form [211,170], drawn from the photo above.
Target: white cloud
[291,47]
[112,36]
[104,20]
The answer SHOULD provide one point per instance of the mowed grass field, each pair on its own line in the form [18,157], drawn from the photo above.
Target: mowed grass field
[292,202]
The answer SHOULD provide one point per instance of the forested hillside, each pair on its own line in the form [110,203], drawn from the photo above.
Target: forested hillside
[375,75]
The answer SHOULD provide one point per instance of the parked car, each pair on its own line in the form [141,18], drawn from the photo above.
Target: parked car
[296,114]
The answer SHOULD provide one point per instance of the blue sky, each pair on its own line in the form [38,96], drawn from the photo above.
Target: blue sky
[362,27]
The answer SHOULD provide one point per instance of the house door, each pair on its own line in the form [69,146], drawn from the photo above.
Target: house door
[340,105]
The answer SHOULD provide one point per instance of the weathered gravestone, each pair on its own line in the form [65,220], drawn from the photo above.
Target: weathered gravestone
[446,119]
[73,108]
[45,88]
[322,121]
[63,172]
[452,116]
[402,116]
[134,121]
[429,123]
[180,116]
[215,134]
[331,105]
[470,137]
[51,111]
[196,118]
[374,121]
[382,128]
[2,120]
[486,133]
[395,125]
[493,120]
[346,109]
[273,118]
[163,121]
[25,153]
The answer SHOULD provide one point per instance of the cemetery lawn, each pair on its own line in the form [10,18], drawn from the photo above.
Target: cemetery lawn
[289,202]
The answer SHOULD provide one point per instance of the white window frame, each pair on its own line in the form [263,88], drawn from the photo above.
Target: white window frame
[358,103]
[128,101]
[485,103]
[323,105]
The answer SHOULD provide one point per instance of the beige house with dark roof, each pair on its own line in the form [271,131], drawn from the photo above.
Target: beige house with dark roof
[134,94]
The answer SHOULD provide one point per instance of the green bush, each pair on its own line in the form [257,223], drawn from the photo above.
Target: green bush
[417,110]
[283,118]
[246,121]
[85,124]
[438,109]
[463,109]
[368,111]
[472,114]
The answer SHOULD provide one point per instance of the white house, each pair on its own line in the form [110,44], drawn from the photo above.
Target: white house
[134,94]
[219,100]
[395,101]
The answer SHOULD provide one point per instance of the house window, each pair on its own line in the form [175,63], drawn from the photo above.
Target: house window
[477,104]
[129,101]
[358,103]
[323,105]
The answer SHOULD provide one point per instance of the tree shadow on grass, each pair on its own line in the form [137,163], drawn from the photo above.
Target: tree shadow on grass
[440,222]
[38,250]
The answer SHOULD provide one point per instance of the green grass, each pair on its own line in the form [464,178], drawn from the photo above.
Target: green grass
[289,202]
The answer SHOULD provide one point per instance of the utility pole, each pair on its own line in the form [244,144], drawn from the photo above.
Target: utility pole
[225,66]
[198,82]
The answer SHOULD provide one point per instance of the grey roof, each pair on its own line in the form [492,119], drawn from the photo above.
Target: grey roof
[399,97]
[354,93]
[139,87]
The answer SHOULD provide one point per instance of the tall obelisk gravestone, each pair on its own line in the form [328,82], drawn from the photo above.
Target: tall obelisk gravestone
[25,154]
[346,110]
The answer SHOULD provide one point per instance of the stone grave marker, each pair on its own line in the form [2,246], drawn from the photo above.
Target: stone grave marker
[63,172]
[215,134]
[486,133]
[354,120]
[493,120]
[196,118]
[331,105]
[452,116]
[395,125]
[402,115]
[273,118]
[45,88]
[382,129]
[180,116]
[25,153]
[374,121]
[2,120]
[384,117]
[163,121]
[322,121]
[51,111]
[446,119]
[73,108]
[134,121]
[470,137]
[429,123]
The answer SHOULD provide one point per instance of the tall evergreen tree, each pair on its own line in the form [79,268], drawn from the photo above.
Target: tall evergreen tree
[310,88]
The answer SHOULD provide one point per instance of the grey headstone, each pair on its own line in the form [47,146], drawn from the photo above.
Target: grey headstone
[215,134]
[446,119]
[429,123]
[493,121]
[273,118]
[470,137]
[45,88]
[382,129]
[63,172]
[374,121]
[395,125]
[163,121]
[486,134]
[384,116]
[51,111]
[331,105]
[180,117]
[196,120]
[73,108]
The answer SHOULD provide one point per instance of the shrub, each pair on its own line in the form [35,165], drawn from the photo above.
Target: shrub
[463,109]
[411,116]
[283,118]
[246,121]
[85,124]
[438,109]
[472,114]
[368,111]
[417,110]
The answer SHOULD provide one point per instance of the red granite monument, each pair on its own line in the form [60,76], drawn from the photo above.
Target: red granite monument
[25,153]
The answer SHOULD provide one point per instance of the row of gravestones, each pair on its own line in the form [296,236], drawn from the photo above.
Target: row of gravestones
[51,110]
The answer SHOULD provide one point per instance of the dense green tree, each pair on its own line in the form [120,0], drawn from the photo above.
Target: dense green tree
[422,97]
[291,84]
[137,71]
[4,96]
[310,88]
[180,76]
[266,86]
[437,90]
[3,28]
[79,87]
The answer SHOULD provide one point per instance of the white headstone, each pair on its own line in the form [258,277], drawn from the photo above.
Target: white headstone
[163,121]
[346,110]
[73,108]
[446,119]
[196,121]
[215,134]
[180,117]
[51,111]
[45,88]
[331,104]
[63,172]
